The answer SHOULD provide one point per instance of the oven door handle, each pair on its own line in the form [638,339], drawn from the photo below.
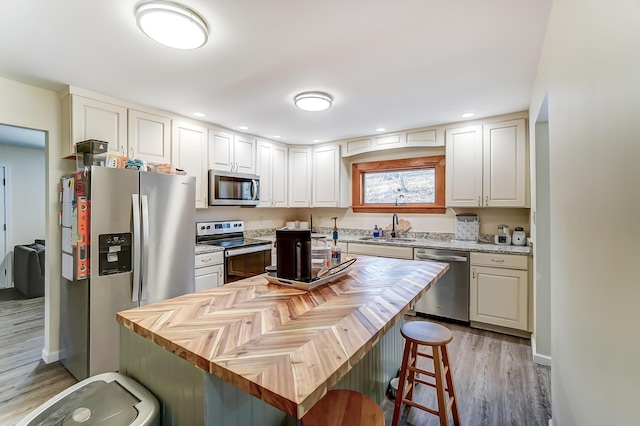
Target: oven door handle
[246,250]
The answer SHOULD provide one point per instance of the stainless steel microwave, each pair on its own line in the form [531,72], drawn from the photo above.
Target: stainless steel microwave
[233,188]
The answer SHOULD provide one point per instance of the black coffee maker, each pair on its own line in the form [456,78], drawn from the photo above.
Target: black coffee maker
[293,247]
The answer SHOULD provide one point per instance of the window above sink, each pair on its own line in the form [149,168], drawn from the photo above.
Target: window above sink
[411,185]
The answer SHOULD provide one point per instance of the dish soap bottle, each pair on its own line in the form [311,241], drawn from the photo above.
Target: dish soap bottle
[335,249]
[376,231]
[336,254]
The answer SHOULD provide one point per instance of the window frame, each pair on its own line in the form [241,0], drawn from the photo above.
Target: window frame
[357,185]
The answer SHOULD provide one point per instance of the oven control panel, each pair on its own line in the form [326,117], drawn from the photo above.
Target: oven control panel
[219,228]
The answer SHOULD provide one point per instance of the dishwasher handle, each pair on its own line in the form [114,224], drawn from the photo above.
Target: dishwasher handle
[423,256]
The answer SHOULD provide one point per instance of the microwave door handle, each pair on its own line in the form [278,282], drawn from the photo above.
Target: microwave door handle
[254,189]
[135,205]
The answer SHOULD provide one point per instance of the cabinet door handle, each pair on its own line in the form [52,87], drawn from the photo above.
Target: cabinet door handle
[498,260]
[486,200]
[473,273]
[479,201]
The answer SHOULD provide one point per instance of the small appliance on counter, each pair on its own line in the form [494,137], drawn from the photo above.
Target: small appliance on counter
[503,237]
[467,228]
[294,254]
[519,238]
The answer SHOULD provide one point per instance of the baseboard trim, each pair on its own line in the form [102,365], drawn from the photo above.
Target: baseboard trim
[539,358]
[50,357]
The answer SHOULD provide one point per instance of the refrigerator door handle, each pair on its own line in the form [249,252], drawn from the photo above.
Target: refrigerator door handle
[145,246]
[135,205]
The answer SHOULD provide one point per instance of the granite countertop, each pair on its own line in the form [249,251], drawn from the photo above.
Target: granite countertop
[280,344]
[205,248]
[482,247]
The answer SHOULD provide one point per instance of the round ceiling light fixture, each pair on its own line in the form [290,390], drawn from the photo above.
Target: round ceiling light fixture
[313,101]
[172,24]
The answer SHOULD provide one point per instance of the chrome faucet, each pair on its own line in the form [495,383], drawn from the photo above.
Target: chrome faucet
[394,222]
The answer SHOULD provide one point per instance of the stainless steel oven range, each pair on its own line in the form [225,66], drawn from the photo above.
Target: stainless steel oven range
[243,257]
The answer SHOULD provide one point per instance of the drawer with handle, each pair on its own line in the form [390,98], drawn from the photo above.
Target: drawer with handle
[209,259]
[509,261]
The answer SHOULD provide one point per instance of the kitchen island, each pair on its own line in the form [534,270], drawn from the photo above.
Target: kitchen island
[251,352]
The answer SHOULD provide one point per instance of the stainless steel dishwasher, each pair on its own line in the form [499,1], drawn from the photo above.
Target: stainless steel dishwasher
[449,296]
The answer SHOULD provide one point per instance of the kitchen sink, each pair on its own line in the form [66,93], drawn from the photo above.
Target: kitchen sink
[387,240]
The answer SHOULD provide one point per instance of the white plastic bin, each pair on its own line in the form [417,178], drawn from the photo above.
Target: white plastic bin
[104,399]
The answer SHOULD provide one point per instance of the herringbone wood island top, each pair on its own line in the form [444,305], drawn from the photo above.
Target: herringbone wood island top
[283,345]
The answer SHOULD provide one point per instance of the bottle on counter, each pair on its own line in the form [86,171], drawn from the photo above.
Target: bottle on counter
[376,231]
[336,254]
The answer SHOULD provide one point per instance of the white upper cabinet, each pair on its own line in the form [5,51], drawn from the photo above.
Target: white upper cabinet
[300,165]
[244,150]
[486,165]
[279,182]
[464,166]
[411,138]
[264,169]
[189,152]
[220,150]
[231,152]
[271,166]
[505,166]
[423,138]
[84,118]
[329,188]
[149,137]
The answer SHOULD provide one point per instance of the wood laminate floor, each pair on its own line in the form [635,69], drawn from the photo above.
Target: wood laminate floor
[496,381]
[25,380]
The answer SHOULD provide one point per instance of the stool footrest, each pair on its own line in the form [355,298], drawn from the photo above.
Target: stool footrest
[422,407]
[425,355]
[427,373]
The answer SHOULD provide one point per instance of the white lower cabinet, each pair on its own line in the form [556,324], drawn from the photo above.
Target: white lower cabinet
[500,290]
[209,270]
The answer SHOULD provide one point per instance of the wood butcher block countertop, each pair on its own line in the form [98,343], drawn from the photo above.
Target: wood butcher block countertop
[283,345]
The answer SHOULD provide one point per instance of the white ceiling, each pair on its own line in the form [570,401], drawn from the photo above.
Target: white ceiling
[394,64]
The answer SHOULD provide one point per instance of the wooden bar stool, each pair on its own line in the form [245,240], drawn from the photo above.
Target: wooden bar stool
[434,335]
[344,408]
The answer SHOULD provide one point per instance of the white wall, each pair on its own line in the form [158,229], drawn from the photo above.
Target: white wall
[590,67]
[32,107]
[25,194]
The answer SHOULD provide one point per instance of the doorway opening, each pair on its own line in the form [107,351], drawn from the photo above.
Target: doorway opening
[542,246]
[22,195]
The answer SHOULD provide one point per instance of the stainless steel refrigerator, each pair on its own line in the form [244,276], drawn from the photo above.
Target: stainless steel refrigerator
[138,249]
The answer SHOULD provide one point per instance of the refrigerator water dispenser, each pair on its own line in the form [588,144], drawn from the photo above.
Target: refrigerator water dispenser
[115,253]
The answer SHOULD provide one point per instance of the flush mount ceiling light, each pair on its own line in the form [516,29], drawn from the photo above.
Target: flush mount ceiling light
[468,115]
[172,24]
[313,101]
